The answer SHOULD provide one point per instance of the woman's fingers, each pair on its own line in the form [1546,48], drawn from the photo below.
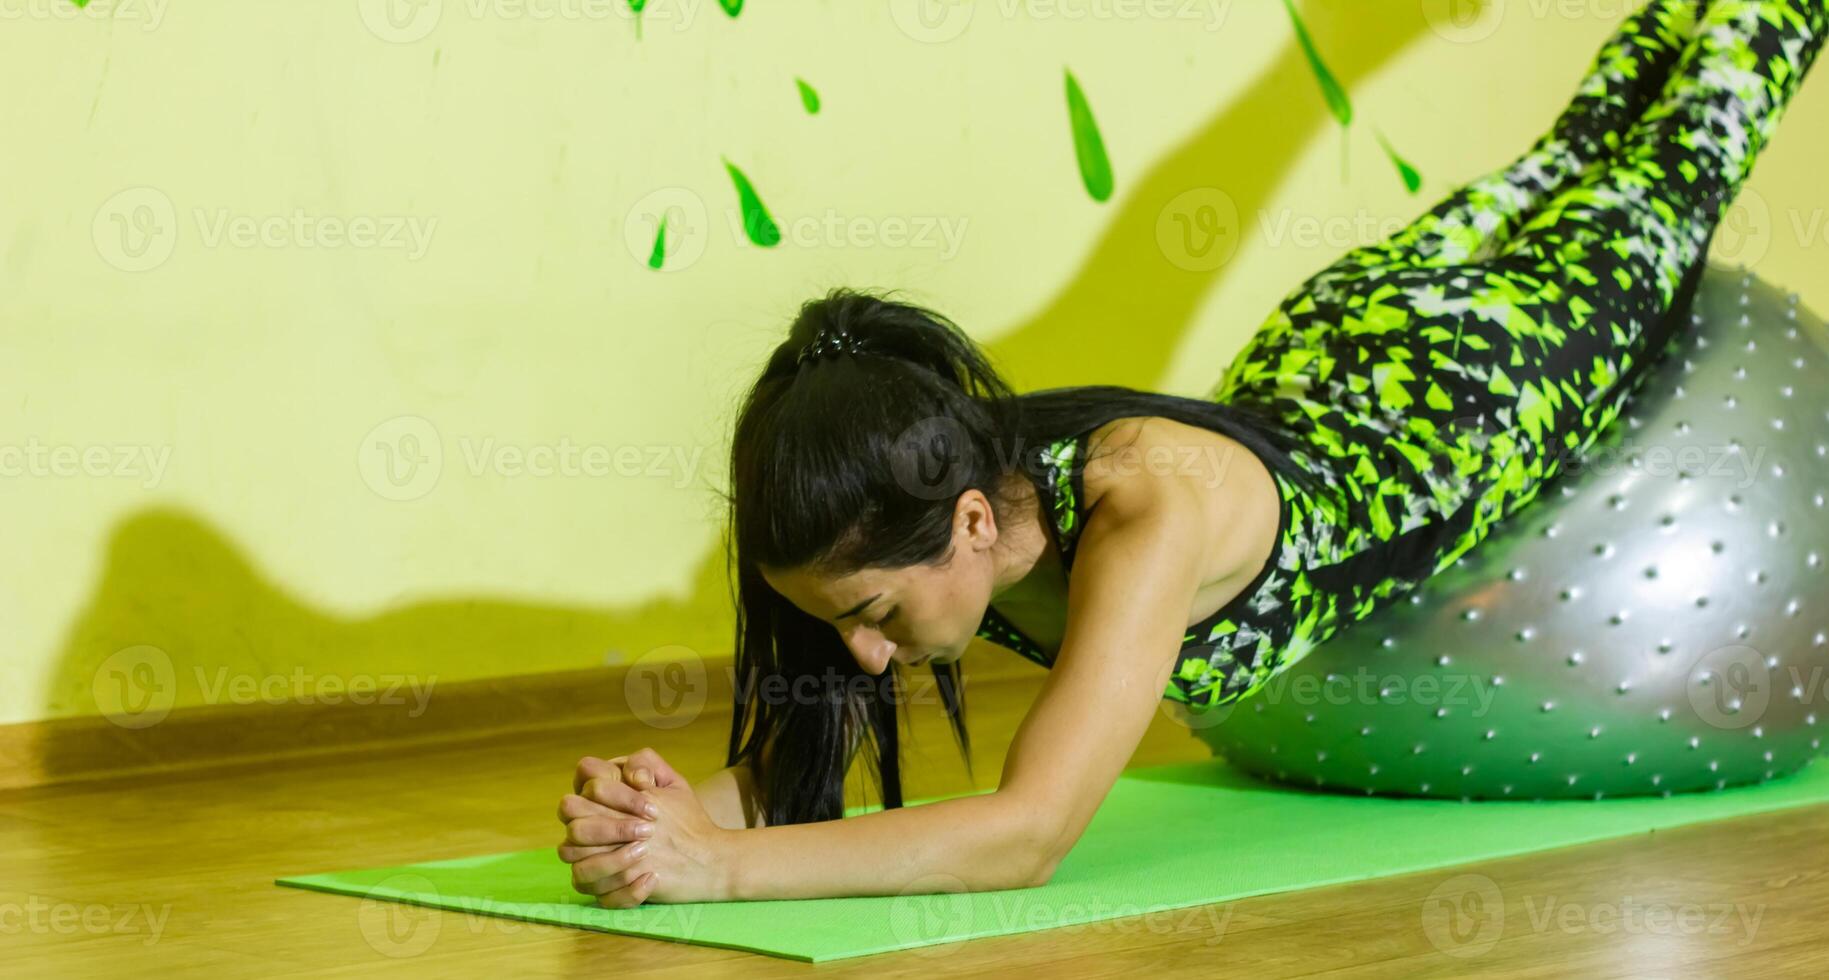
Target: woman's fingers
[590,767]
[660,773]
[592,831]
[644,769]
[619,795]
[633,895]
[572,806]
[604,873]
[573,853]
[605,833]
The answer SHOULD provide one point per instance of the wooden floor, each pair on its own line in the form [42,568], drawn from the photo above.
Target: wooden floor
[173,876]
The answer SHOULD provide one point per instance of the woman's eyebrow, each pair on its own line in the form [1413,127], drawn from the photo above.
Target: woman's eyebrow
[860,607]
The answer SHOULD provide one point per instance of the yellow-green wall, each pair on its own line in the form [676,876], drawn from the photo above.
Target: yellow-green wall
[531,141]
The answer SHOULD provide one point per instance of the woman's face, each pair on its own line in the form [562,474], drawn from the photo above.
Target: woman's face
[917,614]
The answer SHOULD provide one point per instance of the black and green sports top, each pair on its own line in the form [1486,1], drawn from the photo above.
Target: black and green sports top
[1224,655]
[1338,555]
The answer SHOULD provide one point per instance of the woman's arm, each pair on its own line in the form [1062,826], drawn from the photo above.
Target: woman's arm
[1138,568]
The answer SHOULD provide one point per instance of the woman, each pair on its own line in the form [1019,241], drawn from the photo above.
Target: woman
[892,499]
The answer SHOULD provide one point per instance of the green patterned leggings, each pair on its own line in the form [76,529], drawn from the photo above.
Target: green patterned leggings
[1437,378]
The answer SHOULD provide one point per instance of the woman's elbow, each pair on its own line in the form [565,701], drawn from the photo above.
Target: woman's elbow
[1029,846]
[1042,850]
[1041,872]
[1013,866]
[1013,873]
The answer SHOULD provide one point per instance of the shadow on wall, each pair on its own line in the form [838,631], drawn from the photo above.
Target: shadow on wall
[173,583]
[182,617]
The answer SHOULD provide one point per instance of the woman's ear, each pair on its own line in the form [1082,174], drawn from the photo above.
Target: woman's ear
[973,516]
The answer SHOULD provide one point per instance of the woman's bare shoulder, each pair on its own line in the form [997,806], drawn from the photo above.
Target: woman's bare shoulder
[1156,447]
[1225,493]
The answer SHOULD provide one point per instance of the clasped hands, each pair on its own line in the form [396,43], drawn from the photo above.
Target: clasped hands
[636,832]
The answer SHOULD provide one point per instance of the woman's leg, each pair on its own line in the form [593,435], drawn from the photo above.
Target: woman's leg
[1627,233]
[1439,397]
[1473,222]
[1563,323]
[1280,358]
[1593,275]
[1425,386]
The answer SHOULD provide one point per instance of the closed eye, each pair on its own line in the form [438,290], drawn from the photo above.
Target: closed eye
[886,617]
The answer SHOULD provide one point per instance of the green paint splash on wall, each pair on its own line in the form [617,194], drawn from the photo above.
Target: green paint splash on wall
[659,253]
[731,7]
[757,224]
[1088,146]
[1330,89]
[808,97]
[1412,179]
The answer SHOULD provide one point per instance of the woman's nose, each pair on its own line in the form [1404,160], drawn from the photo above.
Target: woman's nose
[871,650]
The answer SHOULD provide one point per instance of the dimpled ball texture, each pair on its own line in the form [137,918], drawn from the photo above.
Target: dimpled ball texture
[1655,621]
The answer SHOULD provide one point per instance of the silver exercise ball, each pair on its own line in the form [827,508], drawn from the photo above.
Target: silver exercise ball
[1656,620]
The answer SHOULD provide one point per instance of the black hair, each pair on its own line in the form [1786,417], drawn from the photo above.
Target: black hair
[855,460]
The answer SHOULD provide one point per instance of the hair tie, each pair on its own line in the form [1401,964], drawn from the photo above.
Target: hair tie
[830,342]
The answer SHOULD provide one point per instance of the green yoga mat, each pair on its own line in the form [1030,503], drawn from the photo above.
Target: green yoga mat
[1166,838]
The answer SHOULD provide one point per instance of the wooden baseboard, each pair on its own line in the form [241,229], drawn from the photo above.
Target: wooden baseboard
[66,750]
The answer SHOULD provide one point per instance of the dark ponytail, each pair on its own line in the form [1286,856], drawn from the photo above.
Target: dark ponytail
[854,460]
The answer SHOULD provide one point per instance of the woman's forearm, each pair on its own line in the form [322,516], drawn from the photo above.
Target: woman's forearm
[975,843]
